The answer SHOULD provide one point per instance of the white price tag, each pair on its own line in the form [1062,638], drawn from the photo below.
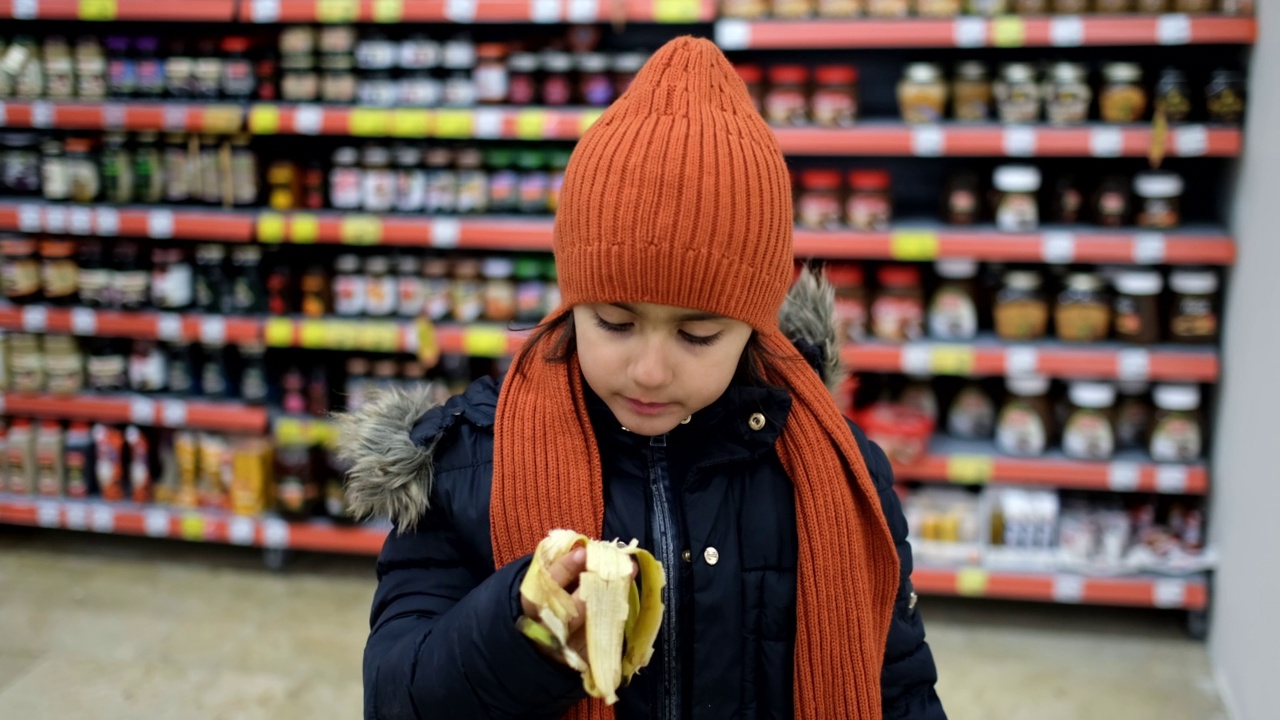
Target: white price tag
[77,517]
[1058,248]
[1019,141]
[927,141]
[113,116]
[1149,248]
[487,123]
[265,11]
[308,119]
[102,519]
[160,224]
[445,232]
[1133,364]
[174,118]
[55,220]
[1106,142]
[544,11]
[42,114]
[460,11]
[1171,479]
[35,318]
[108,221]
[242,531]
[48,514]
[1021,361]
[1169,593]
[1068,588]
[156,522]
[733,34]
[84,322]
[583,11]
[409,338]
[1191,141]
[970,32]
[1173,29]
[213,330]
[916,359]
[1066,31]
[173,414]
[80,220]
[29,218]
[1123,476]
[142,411]
[26,9]
[275,534]
[169,327]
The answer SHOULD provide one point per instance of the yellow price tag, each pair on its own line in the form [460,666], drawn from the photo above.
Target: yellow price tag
[264,119]
[364,122]
[304,228]
[222,119]
[314,334]
[288,431]
[337,11]
[677,11]
[971,582]
[589,118]
[914,245]
[270,227]
[411,123]
[970,469]
[278,332]
[1008,31]
[192,527]
[320,432]
[482,341]
[376,337]
[360,230]
[952,360]
[388,11]
[339,334]
[428,344]
[531,125]
[454,123]
[97,10]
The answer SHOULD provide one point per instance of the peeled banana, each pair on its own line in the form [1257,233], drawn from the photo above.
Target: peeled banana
[621,623]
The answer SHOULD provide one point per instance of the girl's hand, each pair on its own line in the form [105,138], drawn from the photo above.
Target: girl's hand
[565,572]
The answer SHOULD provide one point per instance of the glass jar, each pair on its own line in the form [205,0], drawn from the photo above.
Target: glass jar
[1176,436]
[419,52]
[839,8]
[625,67]
[1133,415]
[522,84]
[381,290]
[1016,209]
[299,81]
[535,182]
[1017,94]
[972,415]
[557,90]
[314,287]
[117,170]
[971,92]
[1070,7]
[411,179]
[238,80]
[82,171]
[375,52]
[897,314]
[1083,313]
[1225,97]
[1193,316]
[55,183]
[1194,6]
[1067,201]
[442,181]
[784,103]
[410,292]
[378,189]
[753,77]
[148,169]
[953,312]
[1137,306]
[348,286]
[19,164]
[869,207]
[1025,422]
[1123,98]
[888,8]
[346,179]
[1113,7]
[962,205]
[1111,203]
[473,182]
[818,207]
[499,290]
[1031,7]
[938,8]
[377,89]
[1088,433]
[59,273]
[21,269]
[338,83]
[835,96]
[850,301]
[989,8]
[1068,95]
[922,93]
[1173,95]
[1151,7]
[595,85]
[744,9]
[1159,196]
[793,9]
[468,291]
[437,289]
[504,182]
[1021,309]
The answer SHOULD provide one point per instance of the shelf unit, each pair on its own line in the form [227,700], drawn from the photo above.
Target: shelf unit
[139,410]
[1185,593]
[141,325]
[119,10]
[479,11]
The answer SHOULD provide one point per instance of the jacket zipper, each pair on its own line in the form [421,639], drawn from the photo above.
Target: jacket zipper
[665,536]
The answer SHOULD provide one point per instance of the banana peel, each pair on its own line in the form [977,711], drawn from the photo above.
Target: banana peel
[622,622]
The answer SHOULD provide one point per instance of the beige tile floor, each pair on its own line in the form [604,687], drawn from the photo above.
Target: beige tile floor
[131,629]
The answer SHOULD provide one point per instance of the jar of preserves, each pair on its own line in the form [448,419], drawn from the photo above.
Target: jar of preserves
[1017,94]
[1176,436]
[850,301]
[939,8]
[922,93]
[299,81]
[338,82]
[1123,98]
[473,181]
[793,9]
[784,103]
[888,8]
[595,84]
[897,314]
[468,291]
[1088,433]
[1193,316]
[55,182]
[818,206]
[499,290]
[1016,209]
[1083,313]
[1133,414]
[953,312]
[1068,96]
[1111,204]
[971,92]
[411,179]
[491,73]
[381,291]
[348,286]
[1173,95]
[522,88]
[557,89]
[972,415]
[1137,306]
[835,96]
[21,270]
[1159,195]
[839,8]
[869,206]
[1024,425]
[59,273]
[1021,309]
[346,179]
[744,9]
[1225,97]
[962,205]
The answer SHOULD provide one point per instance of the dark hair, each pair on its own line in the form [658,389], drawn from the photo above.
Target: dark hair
[561,333]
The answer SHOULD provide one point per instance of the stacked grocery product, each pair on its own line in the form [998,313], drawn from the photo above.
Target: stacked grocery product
[884,9]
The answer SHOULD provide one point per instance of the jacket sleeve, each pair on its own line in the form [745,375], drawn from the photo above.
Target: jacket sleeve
[443,641]
[909,674]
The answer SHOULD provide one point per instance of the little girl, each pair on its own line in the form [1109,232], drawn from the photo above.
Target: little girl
[661,401]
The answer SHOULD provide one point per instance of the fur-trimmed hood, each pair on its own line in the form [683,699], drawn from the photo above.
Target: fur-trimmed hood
[390,474]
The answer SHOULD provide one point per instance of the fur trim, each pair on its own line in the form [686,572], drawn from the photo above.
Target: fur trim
[809,313]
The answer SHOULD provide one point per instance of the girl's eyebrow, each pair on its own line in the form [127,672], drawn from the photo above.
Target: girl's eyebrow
[692,316]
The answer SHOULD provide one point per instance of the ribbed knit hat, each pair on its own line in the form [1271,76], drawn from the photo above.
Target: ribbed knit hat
[679,196]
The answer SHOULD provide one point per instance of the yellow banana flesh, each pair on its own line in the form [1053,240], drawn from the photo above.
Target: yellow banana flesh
[621,623]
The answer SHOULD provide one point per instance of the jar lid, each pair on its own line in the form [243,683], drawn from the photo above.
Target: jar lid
[629,62]
[1157,184]
[347,263]
[1133,388]
[845,274]
[1223,75]
[498,267]
[1092,395]
[820,179]
[557,62]
[1018,72]
[470,158]
[530,159]
[750,74]
[1173,75]
[956,268]
[1084,281]
[491,51]
[78,145]
[873,180]
[1016,178]
[899,276]
[1179,398]
[971,70]
[377,264]
[408,264]
[1138,282]
[300,62]
[498,158]
[1027,385]
[386,368]
[789,74]
[246,255]
[439,157]
[922,72]
[211,252]
[1066,72]
[345,155]
[528,268]
[1122,72]
[593,63]
[358,366]
[376,155]
[1023,279]
[836,74]
[235,44]
[408,155]
[1193,282]
[523,62]
[559,159]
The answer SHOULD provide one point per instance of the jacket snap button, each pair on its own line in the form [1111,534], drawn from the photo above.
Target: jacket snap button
[686,556]
[711,555]
[756,422]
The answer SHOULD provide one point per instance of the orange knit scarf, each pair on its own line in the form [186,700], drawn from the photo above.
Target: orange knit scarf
[547,474]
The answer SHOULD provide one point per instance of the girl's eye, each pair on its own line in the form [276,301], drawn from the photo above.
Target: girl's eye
[700,340]
[612,327]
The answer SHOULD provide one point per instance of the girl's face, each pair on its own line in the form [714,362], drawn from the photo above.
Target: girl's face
[655,365]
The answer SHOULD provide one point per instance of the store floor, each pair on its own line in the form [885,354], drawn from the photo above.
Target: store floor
[118,628]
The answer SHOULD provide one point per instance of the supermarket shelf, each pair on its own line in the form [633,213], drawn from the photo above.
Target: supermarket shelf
[391,336]
[991,357]
[139,410]
[1189,593]
[969,32]
[467,11]
[108,10]
[172,116]
[168,327]
[160,223]
[976,463]
[189,524]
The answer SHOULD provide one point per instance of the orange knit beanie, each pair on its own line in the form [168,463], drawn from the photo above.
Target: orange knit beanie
[679,195]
